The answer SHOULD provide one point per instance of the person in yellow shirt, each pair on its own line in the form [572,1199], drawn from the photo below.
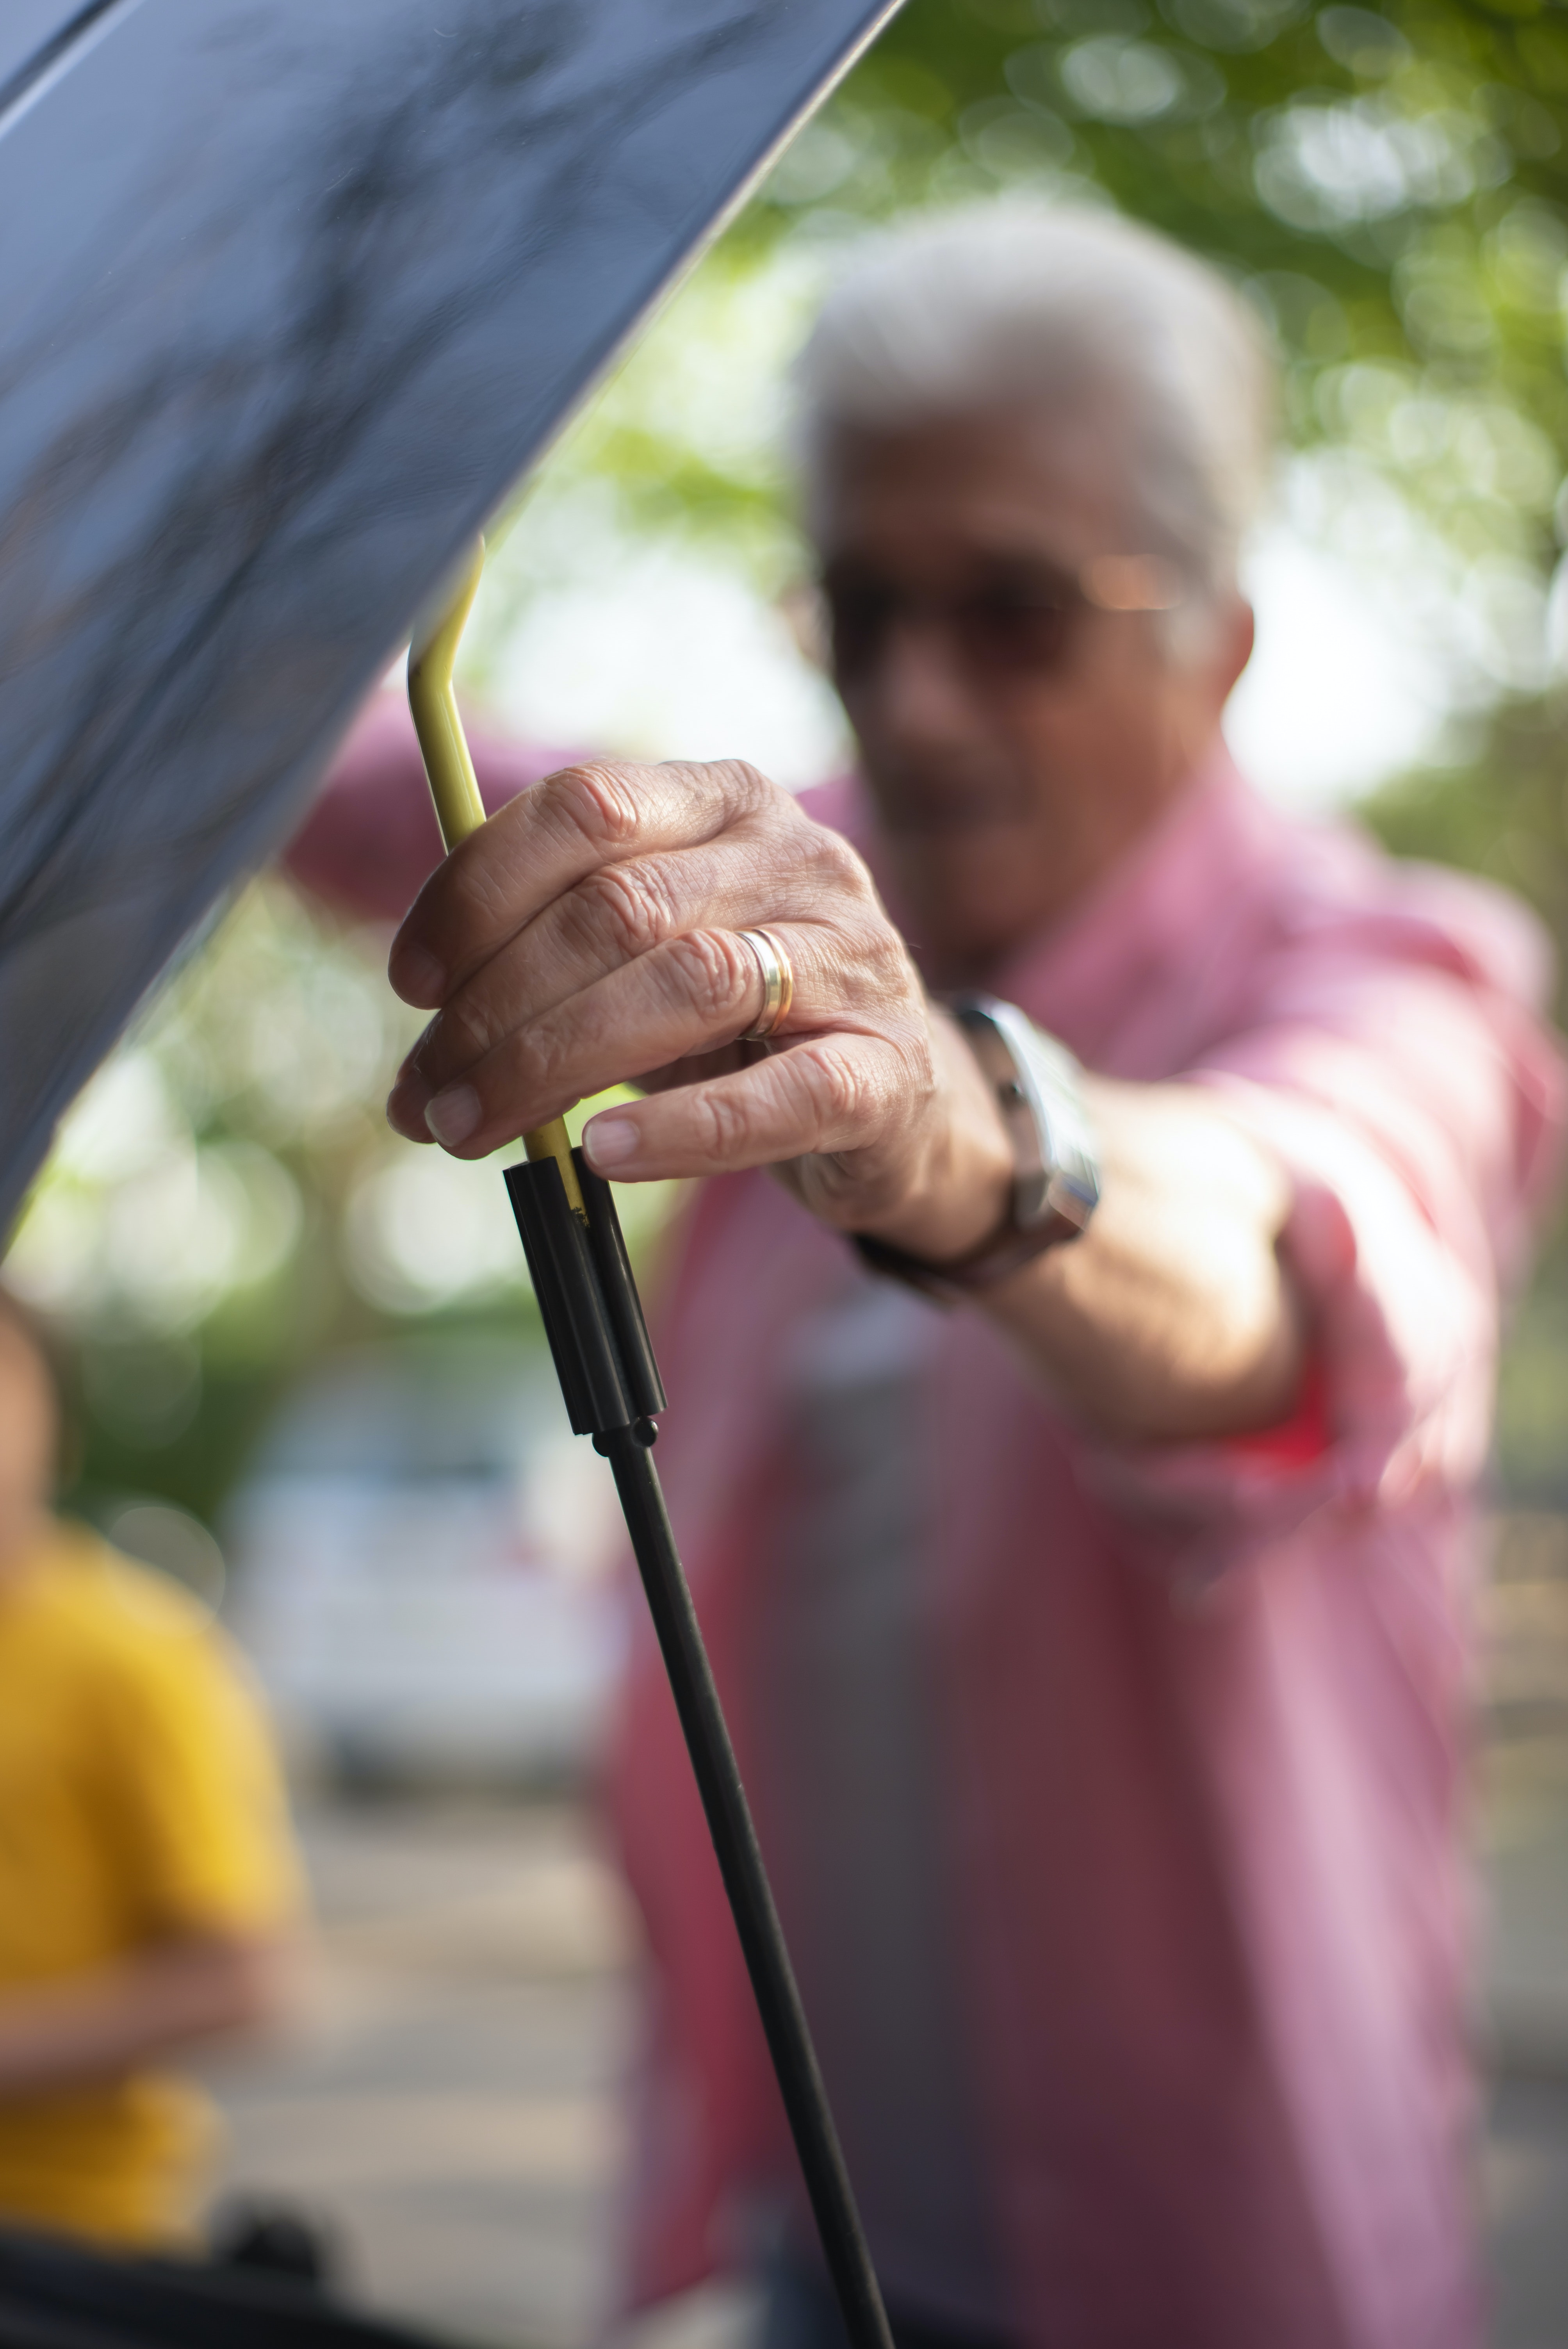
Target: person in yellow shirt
[149,1890]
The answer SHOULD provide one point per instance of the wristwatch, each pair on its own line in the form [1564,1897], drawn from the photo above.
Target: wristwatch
[1055,1177]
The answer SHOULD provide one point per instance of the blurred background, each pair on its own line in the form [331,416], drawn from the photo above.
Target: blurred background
[310,1376]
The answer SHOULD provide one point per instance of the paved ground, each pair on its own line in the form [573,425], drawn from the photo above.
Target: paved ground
[452,2105]
[1524,1827]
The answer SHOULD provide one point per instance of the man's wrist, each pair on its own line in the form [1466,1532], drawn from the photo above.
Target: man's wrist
[959,1192]
[1032,1086]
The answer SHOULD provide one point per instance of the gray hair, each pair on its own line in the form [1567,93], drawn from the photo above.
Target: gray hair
[1015,301]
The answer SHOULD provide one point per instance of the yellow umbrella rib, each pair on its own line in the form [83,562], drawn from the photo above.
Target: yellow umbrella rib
[459,810]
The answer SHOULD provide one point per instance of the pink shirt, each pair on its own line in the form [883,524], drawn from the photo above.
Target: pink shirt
[1200,1709]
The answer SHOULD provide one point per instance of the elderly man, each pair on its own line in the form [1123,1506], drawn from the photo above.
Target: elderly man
[1089,1589]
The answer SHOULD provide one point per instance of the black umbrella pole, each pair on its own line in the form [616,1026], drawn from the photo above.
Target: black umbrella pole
[745,1882]
[610,1384]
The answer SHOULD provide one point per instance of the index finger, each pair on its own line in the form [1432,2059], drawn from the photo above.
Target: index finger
[542,843]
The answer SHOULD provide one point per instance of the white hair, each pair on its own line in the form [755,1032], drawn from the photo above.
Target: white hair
[1017,302]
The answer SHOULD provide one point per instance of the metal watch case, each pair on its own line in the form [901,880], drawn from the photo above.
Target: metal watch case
[1056,1182]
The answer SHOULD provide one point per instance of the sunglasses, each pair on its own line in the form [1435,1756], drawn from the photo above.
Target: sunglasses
[1016,627]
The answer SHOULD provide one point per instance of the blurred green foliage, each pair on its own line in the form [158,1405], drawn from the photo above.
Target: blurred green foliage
[1387,182]
[226,1202]
[1502,810]
[1387,185]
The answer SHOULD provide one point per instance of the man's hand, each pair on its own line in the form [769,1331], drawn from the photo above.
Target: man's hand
[588,936]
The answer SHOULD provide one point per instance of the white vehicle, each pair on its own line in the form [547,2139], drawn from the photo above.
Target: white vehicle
[421,1563]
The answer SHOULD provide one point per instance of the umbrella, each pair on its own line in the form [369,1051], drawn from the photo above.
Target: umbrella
[290,296]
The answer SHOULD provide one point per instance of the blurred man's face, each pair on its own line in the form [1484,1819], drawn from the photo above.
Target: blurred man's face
[29,1430]
[1016,742]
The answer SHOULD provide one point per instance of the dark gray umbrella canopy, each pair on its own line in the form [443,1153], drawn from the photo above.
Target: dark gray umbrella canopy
[291,293]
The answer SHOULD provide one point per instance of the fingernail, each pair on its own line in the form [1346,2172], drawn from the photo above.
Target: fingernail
[453,1115]
[420,979]
[610,1141]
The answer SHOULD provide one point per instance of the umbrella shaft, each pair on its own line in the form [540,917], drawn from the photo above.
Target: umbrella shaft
[610,1383]
[745,1882]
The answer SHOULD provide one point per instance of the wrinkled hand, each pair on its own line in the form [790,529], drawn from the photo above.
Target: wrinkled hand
[586,937]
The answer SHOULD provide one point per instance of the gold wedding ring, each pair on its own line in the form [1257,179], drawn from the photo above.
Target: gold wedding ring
[777,983]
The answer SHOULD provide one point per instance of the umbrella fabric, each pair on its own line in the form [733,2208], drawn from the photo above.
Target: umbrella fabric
[289,296]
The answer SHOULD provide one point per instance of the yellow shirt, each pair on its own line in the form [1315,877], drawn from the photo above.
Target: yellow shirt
[138,1800]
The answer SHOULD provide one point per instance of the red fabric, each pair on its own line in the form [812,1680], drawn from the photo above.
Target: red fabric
[1299,1440]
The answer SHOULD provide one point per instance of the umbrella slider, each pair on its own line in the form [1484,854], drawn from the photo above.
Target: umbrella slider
[587,1298]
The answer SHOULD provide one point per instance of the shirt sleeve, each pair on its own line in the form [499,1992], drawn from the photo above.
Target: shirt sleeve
[195,1805]
[1416,1113]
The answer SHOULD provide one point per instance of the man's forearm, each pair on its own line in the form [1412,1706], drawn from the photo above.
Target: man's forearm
[100,2026]
[1171,1317]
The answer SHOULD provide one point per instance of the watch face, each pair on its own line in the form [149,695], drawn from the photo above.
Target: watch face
[1055,1174]
[290,295]
[1068,1147]
[994,1048]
